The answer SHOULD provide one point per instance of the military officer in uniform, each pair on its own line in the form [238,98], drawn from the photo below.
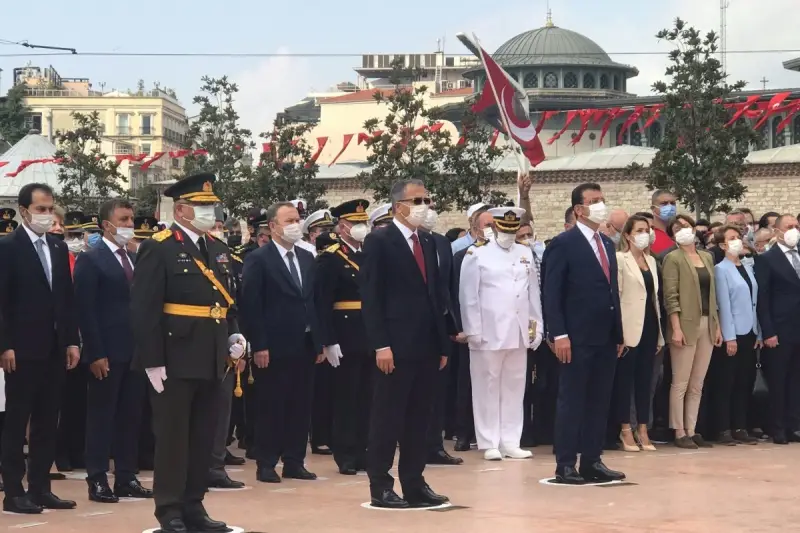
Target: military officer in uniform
[381,216]
[501,313]
[183,319]
[338,300]
[7,227]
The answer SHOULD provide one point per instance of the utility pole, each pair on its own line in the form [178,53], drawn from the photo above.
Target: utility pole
[764,82]
[723,34]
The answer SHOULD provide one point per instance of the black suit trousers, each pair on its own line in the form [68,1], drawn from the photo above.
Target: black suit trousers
[71,443]
[322,406]
[113,418]
[401,405]
[782,370]
[352,391]
[465,423]
[284,392]
[33,392]
[584,397]
[184,421]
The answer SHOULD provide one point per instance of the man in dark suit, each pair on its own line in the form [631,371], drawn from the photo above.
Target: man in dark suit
[778,276]
[437,455]
[582,315]
[184,324]
[38,340]
[281,321]
[403,308]
[103,277]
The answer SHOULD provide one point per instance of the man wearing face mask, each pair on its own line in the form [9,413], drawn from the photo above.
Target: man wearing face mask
[115,392]
[778,276]
[580,266]
[184,323]
[281,319]
[343,336]
[613,228]
[38,343]
[471,237]
[664,207]
[74,232]
[143,228]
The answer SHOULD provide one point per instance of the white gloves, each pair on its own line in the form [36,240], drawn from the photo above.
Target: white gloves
[236,346]
[536,342]
[157,377]
[333,354]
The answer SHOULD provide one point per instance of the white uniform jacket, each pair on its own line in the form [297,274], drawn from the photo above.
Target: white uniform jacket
[499,296]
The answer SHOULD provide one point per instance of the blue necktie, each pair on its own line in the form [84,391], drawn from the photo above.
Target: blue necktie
[293,270]
[43,259]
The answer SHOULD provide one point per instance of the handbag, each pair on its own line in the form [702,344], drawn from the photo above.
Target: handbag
[760,387]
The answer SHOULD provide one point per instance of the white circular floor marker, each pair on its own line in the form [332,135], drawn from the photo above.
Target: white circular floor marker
[368,505]
[217,489]
[232,529]
[552,482]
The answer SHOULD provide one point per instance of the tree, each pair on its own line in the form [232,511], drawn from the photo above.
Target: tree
[287,172]
[217,131]
[699,159]
[403,145]
[146,201]
[12,115]
[85,174]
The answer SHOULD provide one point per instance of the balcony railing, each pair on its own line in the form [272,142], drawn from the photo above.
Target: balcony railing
[123,130]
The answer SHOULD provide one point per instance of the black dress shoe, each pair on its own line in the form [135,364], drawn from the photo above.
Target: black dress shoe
[250,453]
[20,505]
[175,525]
[64,465]
[56,476]
[424,497]
[600,472]
[48,500]
[267,475]
[100,492]
[132,489]
[779,437]
[794,436]
[348,469]
[225,483]
[388,499]
[568,475]
[321,450]
[232,460]
[462,445]
[298,472]
[443,458]
[204,524]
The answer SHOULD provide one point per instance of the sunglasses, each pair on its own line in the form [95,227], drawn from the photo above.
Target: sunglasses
[418,200]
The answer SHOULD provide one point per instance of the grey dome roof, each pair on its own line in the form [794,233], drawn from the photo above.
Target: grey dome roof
[551,45]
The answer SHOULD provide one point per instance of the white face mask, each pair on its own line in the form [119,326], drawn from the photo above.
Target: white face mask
[75,246]
[359,232]
[488,233]
[430,220]
[292,233]
[123,236]
[204,218]
[735,247]
[641,240]
[685,236]
[41,223]
[506,240]
[791,237]
[652,236]
[598,213]
[220,235]
[417,215]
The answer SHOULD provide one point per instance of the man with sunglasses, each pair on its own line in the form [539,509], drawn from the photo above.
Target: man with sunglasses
[403,305]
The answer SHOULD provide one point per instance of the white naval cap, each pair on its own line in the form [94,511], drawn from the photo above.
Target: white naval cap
[300,205]
[316,219]
[507,219]
[380,214]
[475,208]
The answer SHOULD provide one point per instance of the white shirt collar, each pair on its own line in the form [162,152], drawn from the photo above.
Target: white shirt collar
[189,233]
[405,230]
[283,251]
[588,232]
[111,245]
[785,249]
[33,236]
[351,246]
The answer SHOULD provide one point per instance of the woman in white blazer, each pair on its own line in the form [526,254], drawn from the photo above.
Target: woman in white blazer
[641,329]
[733,366]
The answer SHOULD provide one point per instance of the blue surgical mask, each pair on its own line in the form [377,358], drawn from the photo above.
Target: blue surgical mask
[94,240]
[666,212]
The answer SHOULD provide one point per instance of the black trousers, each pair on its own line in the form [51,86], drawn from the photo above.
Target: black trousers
[284,394]
[147,441]
[584,396]
[545,395]
[732,379]
[782,370]
[352,389]
[33,392]
[465,423]
[436,416]
[322,407]
[401,405]
[113,417]
[635,379]
[72,419]
[184,420]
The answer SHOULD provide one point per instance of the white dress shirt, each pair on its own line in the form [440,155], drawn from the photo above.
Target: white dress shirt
[407,233]
[114,247]
[786,252]
[45,247]
[283,251]
[307,246]
[194,237]
[589,233]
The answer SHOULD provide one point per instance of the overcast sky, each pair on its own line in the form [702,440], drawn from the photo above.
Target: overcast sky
[410,26]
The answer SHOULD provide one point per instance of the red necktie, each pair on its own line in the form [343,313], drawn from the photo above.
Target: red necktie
[603,259]
[126,264]
[419,257]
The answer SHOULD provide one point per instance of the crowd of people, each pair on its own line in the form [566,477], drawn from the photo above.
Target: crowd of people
[357,330]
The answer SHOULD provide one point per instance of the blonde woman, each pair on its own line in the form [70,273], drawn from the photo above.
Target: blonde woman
[641,327]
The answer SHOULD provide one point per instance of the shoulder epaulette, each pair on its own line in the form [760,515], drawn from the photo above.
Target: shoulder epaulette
[479,243]
[333,248]
[162,235]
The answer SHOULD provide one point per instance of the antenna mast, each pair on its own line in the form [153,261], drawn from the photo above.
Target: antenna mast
[723,34]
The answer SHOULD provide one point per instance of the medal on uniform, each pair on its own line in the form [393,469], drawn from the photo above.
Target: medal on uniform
[222,258]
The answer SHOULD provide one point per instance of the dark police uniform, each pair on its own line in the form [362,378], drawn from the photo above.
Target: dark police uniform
[182,318]
[338,302]
[7,227]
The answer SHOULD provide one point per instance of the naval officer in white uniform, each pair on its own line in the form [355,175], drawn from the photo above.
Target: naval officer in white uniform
[501,311]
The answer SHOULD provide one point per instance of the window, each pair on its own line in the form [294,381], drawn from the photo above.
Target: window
[624,137]
[450,61]
[176,163]
[654,135]
[588,81]
[616,82]
[33,121]
[635,135]
[551,80]
[123,128]
[146,148]
[147,124]
[570,80]
[604,81]
[796,130]
[778,138]
[531,81]
[430,60]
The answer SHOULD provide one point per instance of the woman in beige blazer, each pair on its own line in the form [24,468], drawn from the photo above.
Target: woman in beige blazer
[690,301]
[641,328]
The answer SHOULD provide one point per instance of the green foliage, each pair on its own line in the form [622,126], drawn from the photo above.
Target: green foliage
[12,115]
[217,131]
[699,159]
[457,175]
[286,172]
[146,201]
[86,176]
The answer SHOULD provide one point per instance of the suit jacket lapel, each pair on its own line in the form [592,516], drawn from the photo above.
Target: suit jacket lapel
[633,265]
[282,267]
[399,241]
[110,260]
[586,249]
[305,275]
[26,247]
